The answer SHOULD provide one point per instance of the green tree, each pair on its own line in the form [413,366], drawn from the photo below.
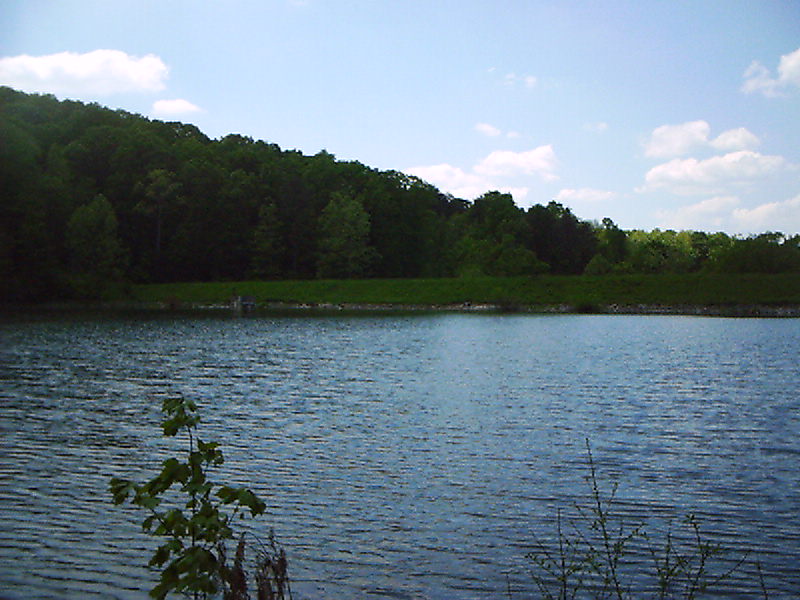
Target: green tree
[559,238]
[599,265]
[96,255]
[612,242]
[267,247]
[764,253]
[344,249]
[510,259]
[160,188]
[493,237]
[660,251]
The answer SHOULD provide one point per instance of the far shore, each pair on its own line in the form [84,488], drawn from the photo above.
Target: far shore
[730,310]
[707,294]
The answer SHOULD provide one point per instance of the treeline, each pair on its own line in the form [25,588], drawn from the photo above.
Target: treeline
[94,198]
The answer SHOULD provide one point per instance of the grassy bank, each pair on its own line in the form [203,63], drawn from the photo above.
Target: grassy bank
[577,291]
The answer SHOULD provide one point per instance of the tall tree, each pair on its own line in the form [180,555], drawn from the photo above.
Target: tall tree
[159,189]
[344,249]
[267,249]
[96,256]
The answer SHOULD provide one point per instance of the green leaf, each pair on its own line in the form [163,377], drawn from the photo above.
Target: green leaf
[121,489]
[251,501]
[160,556]
[227,494]
[147,524]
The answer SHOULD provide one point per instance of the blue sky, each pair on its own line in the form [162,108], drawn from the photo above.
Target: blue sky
[682,115]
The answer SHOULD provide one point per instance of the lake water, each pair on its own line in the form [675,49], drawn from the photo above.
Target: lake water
[404,457]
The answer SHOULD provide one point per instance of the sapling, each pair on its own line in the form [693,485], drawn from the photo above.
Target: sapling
[194,525]
[593,557]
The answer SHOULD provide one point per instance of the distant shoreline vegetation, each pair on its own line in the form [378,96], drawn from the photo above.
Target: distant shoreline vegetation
[97,201]
[690,294]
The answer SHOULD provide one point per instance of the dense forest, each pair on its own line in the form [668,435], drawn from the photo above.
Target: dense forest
[92,199]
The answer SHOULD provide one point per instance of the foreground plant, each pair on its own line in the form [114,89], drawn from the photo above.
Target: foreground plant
[592,557]
[194,516]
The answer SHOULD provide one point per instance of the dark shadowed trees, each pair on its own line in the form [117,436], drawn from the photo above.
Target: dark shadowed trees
[560,239]
[268,247]
[96,258]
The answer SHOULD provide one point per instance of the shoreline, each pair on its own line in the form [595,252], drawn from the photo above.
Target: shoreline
[709,310]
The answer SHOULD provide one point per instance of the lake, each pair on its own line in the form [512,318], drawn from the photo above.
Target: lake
[400,456]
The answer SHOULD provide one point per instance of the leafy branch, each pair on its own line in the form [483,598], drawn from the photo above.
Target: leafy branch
[194,530]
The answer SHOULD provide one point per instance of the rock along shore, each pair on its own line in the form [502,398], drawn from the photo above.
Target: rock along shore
[722,310]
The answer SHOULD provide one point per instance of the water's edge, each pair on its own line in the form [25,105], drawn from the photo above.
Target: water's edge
[711,310]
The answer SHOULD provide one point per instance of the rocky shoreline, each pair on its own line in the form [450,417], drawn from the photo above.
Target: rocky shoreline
[722,310]
[712,310]
[745,310]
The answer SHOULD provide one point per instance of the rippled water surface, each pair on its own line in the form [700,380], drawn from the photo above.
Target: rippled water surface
[401,457]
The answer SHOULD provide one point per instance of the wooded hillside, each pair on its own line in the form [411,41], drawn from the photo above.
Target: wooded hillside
[92,198]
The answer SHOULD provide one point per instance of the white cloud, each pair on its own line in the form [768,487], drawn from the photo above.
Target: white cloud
[540,161]
[462,184]
[492,173]
[517,192]
[98,72]
[583,195]
[757,78]
[727,213]
[452,180]
[677,140]
[488,130]
[712,213]
[168,108]
[513,135]
[691,176]
[772,216]
[735,139]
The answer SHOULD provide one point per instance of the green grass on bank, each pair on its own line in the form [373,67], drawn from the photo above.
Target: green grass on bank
[578,291]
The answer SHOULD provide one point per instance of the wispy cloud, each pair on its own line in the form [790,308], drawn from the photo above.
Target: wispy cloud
[597,127]
[487,130]
[709,214]
[100,72]
[513,80]
[757,78]
[491,131]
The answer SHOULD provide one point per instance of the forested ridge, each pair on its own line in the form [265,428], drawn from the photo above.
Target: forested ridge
[92,199]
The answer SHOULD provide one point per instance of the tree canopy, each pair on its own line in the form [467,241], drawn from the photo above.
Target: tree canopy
[156,201]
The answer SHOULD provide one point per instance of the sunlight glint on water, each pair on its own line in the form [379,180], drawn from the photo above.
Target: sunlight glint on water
[401,457]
